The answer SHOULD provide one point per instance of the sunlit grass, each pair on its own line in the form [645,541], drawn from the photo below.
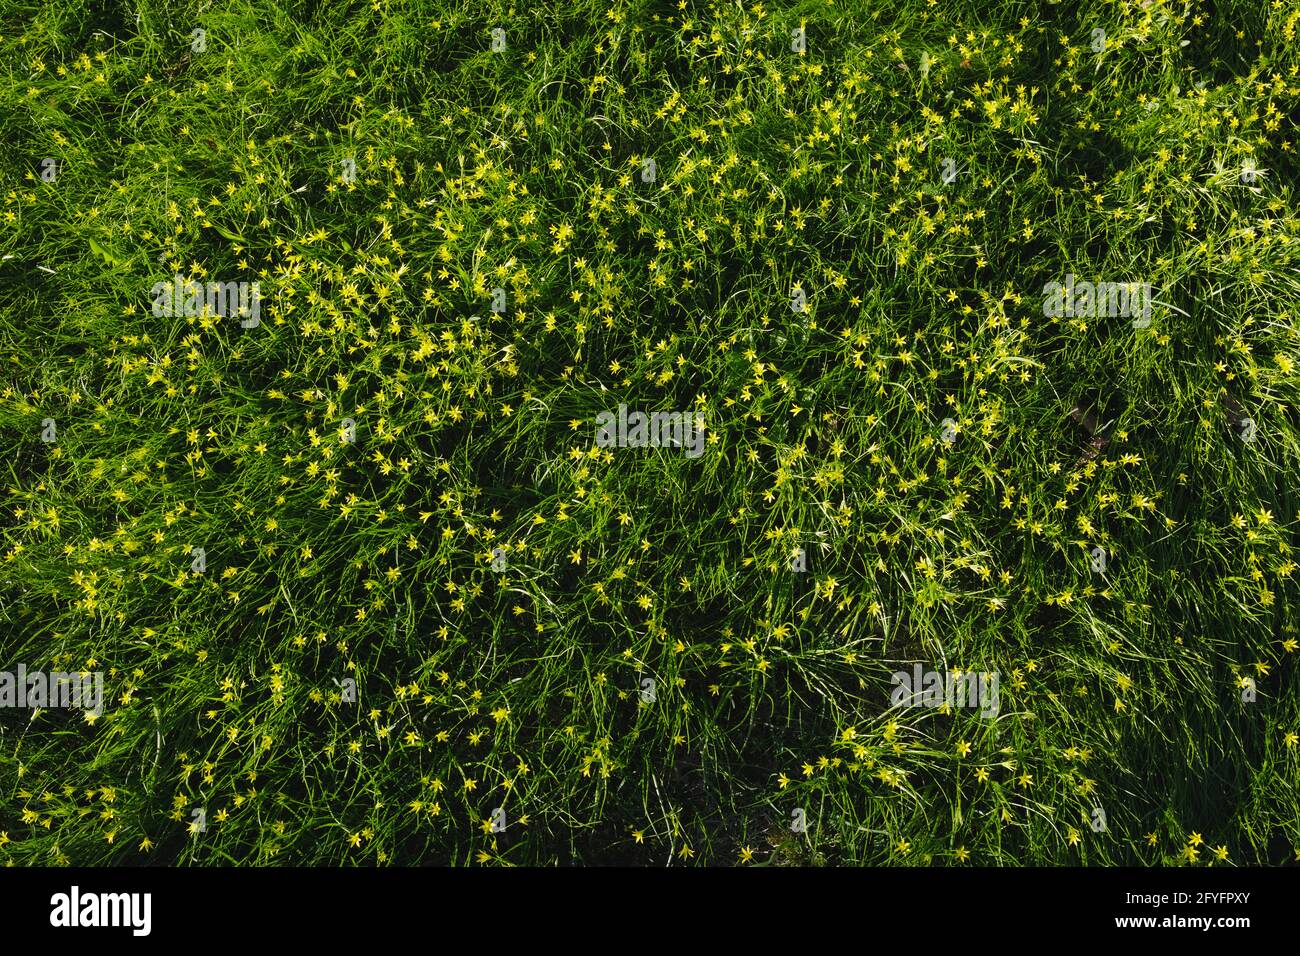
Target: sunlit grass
[371,561]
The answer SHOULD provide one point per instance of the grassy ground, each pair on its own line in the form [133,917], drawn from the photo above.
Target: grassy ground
[1125,732]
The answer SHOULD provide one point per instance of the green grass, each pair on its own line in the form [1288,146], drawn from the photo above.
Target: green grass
[475,430]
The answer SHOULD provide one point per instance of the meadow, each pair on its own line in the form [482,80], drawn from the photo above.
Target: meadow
[386,573]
